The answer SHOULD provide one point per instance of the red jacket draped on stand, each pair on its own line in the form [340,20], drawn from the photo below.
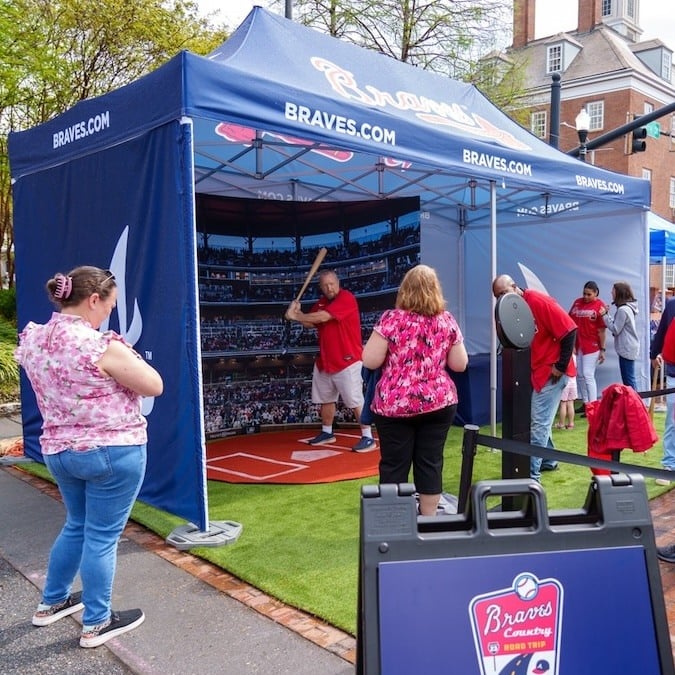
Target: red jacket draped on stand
[619,420]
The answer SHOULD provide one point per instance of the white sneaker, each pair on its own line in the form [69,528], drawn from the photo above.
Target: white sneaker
[663,481]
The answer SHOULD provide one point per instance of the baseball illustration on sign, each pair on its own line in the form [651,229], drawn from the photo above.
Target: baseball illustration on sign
[517,630]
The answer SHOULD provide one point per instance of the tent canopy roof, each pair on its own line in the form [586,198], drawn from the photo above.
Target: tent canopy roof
[283,112]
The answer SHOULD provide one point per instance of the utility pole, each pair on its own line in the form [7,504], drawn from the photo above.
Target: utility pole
[554,128]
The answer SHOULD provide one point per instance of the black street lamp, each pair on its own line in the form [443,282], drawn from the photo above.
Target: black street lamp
[582,123]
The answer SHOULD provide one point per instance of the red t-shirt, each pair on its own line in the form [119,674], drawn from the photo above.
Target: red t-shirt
[551,323]
[340,343]
[589,322]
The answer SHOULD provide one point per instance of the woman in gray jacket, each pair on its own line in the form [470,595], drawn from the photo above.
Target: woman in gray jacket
[622,327]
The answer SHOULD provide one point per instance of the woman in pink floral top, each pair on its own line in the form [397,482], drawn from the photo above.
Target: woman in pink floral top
[88,387]
[415,399]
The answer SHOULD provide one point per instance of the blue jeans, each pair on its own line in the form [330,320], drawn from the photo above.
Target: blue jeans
[542,413]
[627,369]
[98,487]
[668,460]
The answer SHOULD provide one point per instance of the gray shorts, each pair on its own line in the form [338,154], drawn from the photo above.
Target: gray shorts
[347,384]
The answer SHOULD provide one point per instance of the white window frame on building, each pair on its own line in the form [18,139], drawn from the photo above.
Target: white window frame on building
[666,65]
[606,7]
[554,59]
[630,10]
[596,113]
[647,174]
[670,276]
[672,192]
[538,121]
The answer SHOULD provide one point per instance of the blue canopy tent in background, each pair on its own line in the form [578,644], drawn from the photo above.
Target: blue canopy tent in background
[661,249]
[283,112]
[661,239]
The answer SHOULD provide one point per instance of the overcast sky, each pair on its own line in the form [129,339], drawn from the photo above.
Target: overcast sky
[655,19]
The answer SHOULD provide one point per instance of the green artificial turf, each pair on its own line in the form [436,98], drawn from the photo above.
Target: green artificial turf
[300,542]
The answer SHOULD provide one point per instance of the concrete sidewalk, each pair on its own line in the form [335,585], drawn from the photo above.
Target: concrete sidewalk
[190,626]
[194,624]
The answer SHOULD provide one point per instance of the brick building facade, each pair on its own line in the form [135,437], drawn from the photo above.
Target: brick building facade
[606,69]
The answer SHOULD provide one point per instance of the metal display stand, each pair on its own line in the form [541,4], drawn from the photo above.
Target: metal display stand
[220,533]
[516,405]
[515,329]
[571,591]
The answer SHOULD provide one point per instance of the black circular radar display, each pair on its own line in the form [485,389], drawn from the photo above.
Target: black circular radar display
[514,321]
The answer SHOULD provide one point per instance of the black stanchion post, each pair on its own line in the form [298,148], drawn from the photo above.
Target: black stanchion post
[469,446]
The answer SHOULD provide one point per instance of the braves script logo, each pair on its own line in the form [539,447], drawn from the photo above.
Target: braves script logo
[516,630]
[246,136]
[132,332]
[426,109]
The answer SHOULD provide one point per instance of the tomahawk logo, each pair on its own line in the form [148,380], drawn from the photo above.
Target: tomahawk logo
[532,281]
[517,629]
[131,332]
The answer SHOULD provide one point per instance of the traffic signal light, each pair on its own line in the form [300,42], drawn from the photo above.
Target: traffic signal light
[637,142]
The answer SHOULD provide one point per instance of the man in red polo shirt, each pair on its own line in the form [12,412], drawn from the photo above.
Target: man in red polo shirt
[337,370]
[550,361]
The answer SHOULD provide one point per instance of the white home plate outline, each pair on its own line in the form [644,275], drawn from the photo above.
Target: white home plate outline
[293,469]
[313,454]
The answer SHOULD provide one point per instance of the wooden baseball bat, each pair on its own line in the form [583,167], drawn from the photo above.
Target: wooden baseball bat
[312,271]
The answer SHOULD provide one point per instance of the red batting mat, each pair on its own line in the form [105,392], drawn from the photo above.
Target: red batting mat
[286,457]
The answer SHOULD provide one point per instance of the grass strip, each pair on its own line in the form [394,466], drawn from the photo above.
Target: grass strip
[300,543]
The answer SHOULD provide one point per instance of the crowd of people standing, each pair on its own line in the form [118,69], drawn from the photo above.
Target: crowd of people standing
[96,450]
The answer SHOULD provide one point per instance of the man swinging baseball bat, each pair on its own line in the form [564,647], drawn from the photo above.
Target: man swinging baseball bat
[337,369]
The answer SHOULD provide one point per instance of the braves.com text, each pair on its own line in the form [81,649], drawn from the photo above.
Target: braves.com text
[79,130]
[339,123]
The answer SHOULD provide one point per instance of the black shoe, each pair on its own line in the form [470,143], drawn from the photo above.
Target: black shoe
[117,624]
[49,614]
[666,553]
[549,466]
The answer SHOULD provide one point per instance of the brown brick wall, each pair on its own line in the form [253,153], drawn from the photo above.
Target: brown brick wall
[523,22]
[619,109]
[590,15]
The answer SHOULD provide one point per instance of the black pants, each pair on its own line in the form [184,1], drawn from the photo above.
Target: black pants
[417,441]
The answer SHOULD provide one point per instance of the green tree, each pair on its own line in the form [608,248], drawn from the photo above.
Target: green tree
[462,39]
[445,36]
[502,79]
[54,53]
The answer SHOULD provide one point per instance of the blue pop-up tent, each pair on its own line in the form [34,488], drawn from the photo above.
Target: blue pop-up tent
[661,248]
[661,239]
[281,112]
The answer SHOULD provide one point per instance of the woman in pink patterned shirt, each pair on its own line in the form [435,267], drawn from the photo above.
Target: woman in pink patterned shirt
[415,399]
[88,387]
